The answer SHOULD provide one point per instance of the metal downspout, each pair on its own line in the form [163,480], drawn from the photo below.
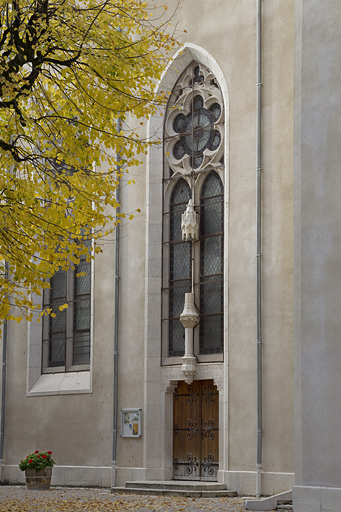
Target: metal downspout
[259,251]
[116,324]
[3,386]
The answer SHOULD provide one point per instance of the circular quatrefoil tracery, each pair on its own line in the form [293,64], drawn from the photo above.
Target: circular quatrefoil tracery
[194,123]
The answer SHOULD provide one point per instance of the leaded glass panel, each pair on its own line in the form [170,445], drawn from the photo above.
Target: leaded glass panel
[180,197]
[211,210]
[177,293]
[176,338]
[67,332]
[211,266]
[176,330]
[179,269]
[81,348]
[211,295]
[180,261]
[211,216]
[212,186]
[58,285]
[193,144]
[83,283]
[81,312]
[211,334]
[58,322]
[57,350]
[211,255]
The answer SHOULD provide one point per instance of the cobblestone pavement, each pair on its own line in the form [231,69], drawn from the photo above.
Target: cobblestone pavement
[61,499]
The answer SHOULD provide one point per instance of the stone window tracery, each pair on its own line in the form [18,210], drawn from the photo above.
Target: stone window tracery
[194,163]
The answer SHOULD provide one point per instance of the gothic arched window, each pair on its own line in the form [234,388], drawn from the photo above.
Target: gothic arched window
[211,265]
[194,169]
[179,266]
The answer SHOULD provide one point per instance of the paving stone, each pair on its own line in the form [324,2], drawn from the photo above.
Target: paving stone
[66,499]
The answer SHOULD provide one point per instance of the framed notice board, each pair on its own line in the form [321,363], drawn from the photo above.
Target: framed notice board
[131,422]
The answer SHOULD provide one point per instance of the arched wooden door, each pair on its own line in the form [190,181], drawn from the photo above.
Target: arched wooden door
[196,431]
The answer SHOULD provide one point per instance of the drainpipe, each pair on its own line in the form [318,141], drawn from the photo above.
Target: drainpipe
[3,386]
[116,312]
[259,251]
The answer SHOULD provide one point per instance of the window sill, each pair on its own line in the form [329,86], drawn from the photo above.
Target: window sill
[62,384]
[209,358]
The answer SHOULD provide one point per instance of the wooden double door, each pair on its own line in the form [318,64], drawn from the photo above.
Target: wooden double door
[196,431]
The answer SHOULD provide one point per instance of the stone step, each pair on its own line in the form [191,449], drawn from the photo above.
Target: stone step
[188,493]
[193,485]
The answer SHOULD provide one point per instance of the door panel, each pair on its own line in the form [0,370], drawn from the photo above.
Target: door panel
[196,431]
[209,430]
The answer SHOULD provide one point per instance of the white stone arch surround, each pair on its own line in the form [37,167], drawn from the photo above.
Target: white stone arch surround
[159,382]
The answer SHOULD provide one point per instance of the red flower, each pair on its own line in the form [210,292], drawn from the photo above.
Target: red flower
[38,455]
[49,452]
[30,461]
[44,456]
[37,451]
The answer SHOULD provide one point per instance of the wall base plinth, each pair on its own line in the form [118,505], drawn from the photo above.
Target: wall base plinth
[316,499]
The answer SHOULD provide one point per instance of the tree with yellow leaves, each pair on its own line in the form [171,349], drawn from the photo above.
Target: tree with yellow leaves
[71,74]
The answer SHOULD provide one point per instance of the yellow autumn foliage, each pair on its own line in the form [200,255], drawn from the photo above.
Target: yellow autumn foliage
[72,76]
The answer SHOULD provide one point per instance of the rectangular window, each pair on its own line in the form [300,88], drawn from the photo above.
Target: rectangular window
[66,332]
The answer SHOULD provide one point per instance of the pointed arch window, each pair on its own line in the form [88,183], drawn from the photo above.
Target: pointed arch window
[211,266]
[194,169]
[180,255]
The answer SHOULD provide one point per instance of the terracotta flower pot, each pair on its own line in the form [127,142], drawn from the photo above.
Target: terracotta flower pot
[38,480]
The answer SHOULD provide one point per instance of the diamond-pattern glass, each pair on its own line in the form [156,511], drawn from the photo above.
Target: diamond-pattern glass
[63,328]
[177,298]
[83,283]
[176,338]
[211,211]
[211,255]
[175,222]
[179,268]
[82,311]
[58,323]
[212,186]
[211,296]
[180,197]
[180,261]
[58,285]
[211,216]
[211,335]
[211,266]
[57,350]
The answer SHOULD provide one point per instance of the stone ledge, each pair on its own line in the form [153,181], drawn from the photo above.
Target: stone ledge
[269,503]
[175,492]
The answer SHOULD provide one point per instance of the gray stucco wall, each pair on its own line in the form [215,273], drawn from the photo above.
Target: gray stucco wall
[78,427]
[317,255]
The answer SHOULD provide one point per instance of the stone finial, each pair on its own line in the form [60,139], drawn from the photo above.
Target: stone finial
[190,223]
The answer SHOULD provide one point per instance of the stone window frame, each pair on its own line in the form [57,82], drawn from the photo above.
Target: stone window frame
[39,383]
[154,201]
[69,329]
[196,81]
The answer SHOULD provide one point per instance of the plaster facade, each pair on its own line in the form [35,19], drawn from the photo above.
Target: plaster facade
[317,256]
[72,415]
